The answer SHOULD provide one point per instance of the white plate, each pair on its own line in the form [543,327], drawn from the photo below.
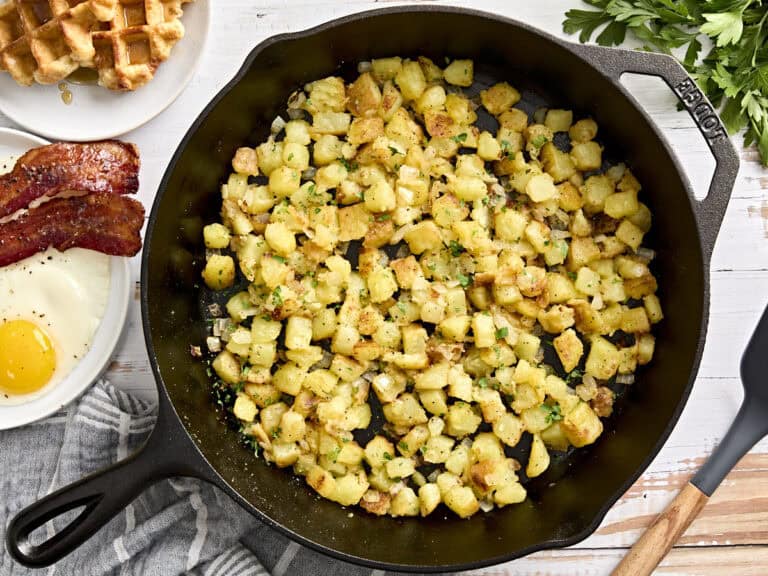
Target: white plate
[97,113]
[14,143]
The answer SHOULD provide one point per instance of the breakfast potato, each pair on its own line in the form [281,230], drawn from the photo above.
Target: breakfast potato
[219,272]
[389,246]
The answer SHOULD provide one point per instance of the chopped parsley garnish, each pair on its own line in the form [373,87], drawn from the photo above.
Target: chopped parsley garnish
[393,150]
[383,217]
[277,296]
[459,138]
[553,412]
[387,456]
[276,433]
[506,148]
[455,248]
[539,141]
[483,382]
[279,258]
[574,375]
[350,166]
[502,333]
[403,445]
[465,281]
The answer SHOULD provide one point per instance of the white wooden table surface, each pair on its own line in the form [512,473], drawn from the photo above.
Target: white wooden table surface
[731,536]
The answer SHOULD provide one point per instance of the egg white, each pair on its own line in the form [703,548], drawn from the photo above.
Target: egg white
[65,294]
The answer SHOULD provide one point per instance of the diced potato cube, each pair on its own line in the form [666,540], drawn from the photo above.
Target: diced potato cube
[298,332]
[438,449]
[280,238]
[216,236]
[381,285]
[581,425]
[323,324]
[379,451]
[603,359]
[459,73]
[350,488]
[653,308]
[219,272]
[330,123]
[429,498]
[380,197]
[541,187]
[629,234]
[621,205]
[468,188]
[538,461]
[284,181]
[583,131]
[461,420]
[410,79]
[400,467]
[244,408]
[289,378]
[363,95]
[509,428]
[645,348]
[569,349]
[423,236]
[322,481]
[462,501]
[321,382]
[405,411]
[499,98]
[635,320]
[483,330]
[405,503]
[385,68]
[587,155]
[558,120]
[434,378]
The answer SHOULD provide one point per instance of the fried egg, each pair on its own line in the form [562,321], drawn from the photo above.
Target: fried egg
[50,307]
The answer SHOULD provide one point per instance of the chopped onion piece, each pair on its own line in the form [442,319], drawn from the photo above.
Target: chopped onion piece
[309,173]
[213,343]
[296,100]
[364,66]
[646,253]
[277,125]
[295,114]
[401,232]
[560,234]
[625,379]
[486,506]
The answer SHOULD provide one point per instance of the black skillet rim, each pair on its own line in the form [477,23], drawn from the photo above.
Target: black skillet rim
[166,404]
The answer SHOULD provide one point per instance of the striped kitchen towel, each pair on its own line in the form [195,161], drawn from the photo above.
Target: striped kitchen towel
[178,526]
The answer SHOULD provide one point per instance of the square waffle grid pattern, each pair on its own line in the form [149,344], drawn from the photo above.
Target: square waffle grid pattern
[125,41]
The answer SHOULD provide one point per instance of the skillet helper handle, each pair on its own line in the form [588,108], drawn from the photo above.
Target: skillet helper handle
[101,495]
[614,62]
[657,540]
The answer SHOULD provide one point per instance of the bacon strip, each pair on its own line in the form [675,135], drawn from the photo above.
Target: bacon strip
[109,166]
[99,221]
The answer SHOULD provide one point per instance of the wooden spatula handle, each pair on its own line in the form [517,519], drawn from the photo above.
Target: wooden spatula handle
[659,538]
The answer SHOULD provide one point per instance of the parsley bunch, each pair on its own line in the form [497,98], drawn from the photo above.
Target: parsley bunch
[733,73]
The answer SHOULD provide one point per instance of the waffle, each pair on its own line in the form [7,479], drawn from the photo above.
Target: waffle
[125,41]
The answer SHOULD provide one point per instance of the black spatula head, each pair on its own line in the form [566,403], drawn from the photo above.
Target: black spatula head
[751,423]
[754,364]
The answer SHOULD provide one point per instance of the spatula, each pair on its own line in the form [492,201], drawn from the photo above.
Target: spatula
[750,426]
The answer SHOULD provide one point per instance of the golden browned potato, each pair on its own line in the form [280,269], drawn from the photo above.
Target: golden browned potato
[390,246]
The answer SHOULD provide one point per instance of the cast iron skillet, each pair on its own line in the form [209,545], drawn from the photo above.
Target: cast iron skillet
[568,503]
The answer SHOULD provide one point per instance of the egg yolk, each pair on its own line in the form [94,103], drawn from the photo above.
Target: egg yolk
[27,358]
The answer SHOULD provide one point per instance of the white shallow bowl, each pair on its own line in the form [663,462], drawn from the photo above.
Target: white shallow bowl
[14,143]
[97,113]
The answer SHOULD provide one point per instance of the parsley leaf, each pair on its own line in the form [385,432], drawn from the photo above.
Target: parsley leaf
[502,333]
[733,74]
[350,166]
[465,281]
[455,248]
[539,141]
[459,138]
[553,413]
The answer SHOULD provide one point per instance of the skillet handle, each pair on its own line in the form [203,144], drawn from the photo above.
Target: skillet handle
[102,495]
[614,62]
